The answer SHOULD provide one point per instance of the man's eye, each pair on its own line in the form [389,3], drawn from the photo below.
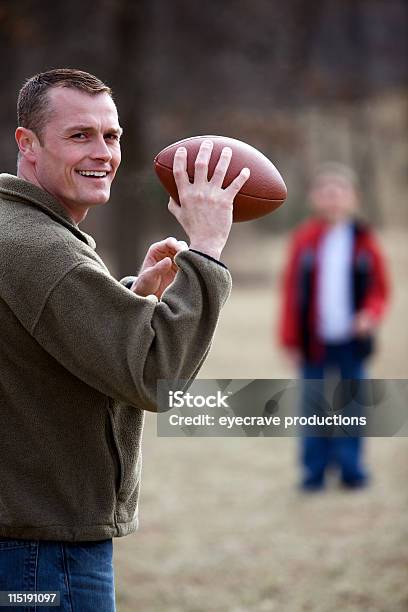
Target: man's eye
[112,136]
[79,136]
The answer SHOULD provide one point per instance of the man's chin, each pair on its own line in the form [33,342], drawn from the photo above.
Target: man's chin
[96,199]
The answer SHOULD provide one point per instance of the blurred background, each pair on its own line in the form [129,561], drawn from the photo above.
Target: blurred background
[223,527]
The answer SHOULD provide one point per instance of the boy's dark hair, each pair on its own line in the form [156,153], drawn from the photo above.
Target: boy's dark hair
[33,107]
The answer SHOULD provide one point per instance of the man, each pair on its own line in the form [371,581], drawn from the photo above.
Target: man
[335,294]
[80,353]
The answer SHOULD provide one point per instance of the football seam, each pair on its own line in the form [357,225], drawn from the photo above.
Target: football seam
[241,192]
[179,142]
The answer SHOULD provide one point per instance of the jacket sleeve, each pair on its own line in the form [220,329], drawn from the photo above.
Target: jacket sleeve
[122,344]
[377,297]
[289,309]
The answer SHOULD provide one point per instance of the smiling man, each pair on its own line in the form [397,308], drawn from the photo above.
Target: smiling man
[85,137]
[80,352]
[76,152]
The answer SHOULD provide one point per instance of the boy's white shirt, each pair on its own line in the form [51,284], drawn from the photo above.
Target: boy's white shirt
[334,289]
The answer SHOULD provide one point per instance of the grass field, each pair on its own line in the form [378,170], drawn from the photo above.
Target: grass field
[222,525]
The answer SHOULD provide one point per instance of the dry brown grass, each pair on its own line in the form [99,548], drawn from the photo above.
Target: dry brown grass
[223,527]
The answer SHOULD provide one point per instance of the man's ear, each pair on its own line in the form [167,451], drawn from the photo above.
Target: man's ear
[27,143]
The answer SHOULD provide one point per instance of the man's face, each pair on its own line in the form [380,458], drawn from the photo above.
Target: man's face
[334,198]
[81,137]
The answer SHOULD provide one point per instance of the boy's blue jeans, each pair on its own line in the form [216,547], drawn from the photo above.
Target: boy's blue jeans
[317,453]
[81,571]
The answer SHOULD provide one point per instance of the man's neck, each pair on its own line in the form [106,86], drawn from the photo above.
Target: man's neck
[75,215]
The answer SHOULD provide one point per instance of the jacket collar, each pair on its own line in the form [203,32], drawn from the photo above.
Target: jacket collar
[18,189]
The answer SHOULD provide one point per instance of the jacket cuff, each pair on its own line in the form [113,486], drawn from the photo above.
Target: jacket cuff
[209,257]
[128,281]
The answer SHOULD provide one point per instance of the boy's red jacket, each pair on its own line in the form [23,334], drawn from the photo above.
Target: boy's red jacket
[369,281]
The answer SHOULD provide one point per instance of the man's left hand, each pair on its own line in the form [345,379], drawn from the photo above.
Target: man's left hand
[158,269]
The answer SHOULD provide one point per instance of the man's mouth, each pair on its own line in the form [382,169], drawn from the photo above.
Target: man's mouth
[93,173]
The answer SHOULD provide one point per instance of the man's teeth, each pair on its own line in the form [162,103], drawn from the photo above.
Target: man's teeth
[92,173]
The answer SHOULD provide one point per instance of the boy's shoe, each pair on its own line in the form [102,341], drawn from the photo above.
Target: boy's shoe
[355,483]
[310,485]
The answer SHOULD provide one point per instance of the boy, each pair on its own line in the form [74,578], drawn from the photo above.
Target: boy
[335,292]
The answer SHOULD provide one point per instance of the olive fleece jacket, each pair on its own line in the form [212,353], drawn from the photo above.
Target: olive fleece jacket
[80,356]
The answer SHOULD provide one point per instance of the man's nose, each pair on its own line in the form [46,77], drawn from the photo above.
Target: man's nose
[101,150]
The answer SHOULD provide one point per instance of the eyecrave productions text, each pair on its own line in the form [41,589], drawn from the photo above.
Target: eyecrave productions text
[178,399]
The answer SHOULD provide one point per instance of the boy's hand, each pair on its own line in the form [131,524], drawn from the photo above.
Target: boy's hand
[363,324]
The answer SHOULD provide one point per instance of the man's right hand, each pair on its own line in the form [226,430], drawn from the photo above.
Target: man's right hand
[205,210]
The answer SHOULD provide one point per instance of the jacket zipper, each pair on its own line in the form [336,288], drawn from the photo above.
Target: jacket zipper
[113,447]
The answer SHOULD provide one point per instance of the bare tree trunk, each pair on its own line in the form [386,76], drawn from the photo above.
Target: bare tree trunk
[360,120]
[130,30]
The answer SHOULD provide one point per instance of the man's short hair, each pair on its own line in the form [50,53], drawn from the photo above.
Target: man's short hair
[33,107]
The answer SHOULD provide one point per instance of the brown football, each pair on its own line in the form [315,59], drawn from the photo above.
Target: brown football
[263,192]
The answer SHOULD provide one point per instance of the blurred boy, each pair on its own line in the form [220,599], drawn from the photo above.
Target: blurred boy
[335,292]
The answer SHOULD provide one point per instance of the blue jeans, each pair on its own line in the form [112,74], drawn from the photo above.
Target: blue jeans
[318,452]
[81,571]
